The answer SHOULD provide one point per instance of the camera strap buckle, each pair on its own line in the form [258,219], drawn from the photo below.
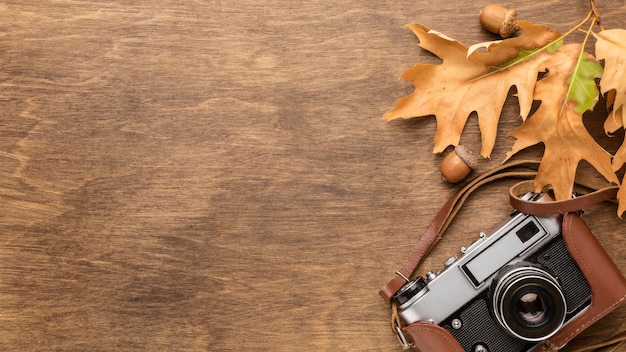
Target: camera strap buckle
[405,344]
[396,326]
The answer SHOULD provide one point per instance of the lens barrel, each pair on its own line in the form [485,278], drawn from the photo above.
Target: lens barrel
[528,302]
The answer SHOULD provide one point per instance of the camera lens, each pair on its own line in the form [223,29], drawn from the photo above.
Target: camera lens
[531,308]
[528,303]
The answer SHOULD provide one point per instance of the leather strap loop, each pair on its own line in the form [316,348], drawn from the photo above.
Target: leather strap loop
[557,207]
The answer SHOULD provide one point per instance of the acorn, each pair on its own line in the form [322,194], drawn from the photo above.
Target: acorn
[458,164]
[496,19]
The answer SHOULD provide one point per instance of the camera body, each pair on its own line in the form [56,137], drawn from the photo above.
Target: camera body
[507,292]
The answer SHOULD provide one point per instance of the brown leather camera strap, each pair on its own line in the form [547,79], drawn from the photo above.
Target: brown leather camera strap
[594,192]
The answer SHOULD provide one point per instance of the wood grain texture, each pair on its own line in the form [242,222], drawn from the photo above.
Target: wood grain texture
[216,176]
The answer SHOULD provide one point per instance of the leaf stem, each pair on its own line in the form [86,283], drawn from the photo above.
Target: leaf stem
[580,58]
[578,26]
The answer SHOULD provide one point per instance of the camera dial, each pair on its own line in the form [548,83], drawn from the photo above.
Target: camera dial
[528,302]
[410,290]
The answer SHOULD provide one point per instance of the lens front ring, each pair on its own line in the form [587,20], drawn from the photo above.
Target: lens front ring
[528,303]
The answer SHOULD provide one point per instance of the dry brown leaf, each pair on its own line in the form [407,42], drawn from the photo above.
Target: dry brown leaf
[460,85]
[615,120]
[620,156]
[611,46]
[560,128]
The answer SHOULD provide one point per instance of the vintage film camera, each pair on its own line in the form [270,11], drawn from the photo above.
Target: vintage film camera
[508,291]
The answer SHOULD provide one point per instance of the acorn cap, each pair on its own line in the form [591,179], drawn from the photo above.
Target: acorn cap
[509,24]
[466,155]
[457,165]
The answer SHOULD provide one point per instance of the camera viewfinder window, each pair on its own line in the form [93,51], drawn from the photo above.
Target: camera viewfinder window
[527,232]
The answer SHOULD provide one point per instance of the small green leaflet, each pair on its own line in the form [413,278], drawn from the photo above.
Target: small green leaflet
[583,89]
[526,55]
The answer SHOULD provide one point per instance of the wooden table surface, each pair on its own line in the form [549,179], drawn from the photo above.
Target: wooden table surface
[216,176]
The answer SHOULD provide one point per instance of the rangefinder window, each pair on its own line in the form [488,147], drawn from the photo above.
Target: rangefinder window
[527,232]
[503,250]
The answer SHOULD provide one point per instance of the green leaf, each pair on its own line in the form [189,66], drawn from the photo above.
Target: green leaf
[583,90]
[527,54]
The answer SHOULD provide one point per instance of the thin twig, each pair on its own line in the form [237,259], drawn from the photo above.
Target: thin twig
[596,13]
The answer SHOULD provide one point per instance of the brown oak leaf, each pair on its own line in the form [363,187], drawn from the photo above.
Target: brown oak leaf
[611,46]
[464,84]
[558,125]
